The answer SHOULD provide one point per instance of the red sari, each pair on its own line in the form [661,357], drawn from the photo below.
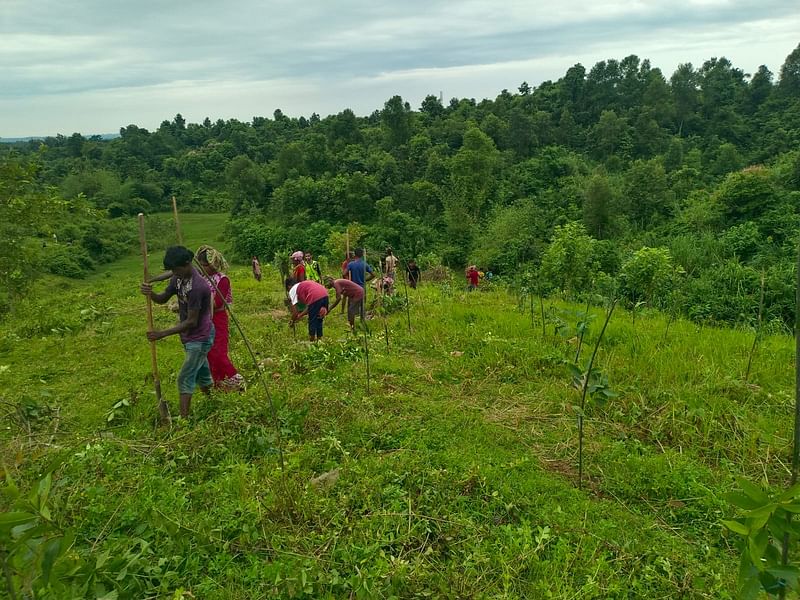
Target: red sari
[222,370]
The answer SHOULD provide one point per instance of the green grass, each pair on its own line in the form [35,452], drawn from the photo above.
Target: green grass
[457,473]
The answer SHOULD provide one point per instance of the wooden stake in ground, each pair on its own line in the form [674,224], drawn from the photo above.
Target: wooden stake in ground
[758,331]
[364,320]
[177,223]
[796,439]
[345,300]
[163,408]
[405,289]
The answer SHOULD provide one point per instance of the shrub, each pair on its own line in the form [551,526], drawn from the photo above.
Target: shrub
[68,261]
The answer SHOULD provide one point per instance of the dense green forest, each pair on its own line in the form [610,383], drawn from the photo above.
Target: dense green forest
[678,191]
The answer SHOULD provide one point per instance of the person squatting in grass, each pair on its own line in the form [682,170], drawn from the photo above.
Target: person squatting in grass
[195,326]
[224,374]
[351,291]
[315,297]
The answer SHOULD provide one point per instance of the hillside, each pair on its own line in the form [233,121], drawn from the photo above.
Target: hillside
[454,477]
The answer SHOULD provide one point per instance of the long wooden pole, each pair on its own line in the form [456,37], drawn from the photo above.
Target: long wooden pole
[405,289]
[345,300]
[177,223]
[364,319]
[796,435]
[163,407]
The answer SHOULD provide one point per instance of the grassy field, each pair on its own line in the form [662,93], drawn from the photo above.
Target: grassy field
[454,477]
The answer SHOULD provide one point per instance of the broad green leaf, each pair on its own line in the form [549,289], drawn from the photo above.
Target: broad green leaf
[756,523]
[13,519]
[788,573]
[790,494]
[737,527]
[11,489]
[747,582]
[102,558]
[741,501]
[753,491]
[52,549]
[756,546]
[761,511]
[44,489]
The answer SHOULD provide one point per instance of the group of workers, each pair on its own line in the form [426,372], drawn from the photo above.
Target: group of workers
[204,295]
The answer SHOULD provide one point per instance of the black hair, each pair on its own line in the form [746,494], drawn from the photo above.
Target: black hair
[202,256]
[177,256]
[290,283]
[359,252]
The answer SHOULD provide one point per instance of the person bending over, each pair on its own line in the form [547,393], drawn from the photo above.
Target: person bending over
[315,297]
[352,292]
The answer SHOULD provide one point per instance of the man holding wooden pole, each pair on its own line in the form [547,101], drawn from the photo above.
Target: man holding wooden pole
[195,326]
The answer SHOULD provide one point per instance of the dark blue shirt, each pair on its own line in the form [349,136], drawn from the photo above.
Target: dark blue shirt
[358,270]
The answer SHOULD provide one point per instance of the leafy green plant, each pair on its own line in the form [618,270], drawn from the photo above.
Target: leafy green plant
[32,545]
[589,381]
[766,530]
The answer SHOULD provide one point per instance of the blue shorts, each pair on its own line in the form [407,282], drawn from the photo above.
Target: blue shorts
[194,370]
[314,320]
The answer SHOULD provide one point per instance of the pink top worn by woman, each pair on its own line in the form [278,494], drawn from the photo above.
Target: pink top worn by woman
[223,372]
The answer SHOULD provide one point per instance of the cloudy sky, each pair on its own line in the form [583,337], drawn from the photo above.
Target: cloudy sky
[94,66]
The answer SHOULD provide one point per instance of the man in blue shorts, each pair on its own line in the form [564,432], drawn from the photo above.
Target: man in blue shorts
[195,326]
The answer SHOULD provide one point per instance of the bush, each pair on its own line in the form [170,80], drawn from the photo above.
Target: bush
[649,276]
[68,261]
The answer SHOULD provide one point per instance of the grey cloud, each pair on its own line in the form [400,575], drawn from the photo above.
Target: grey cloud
[53,47]
[151,42]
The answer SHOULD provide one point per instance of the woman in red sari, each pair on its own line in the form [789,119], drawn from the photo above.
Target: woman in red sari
[222,370]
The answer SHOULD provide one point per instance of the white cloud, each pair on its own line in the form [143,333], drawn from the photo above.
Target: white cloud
[94,66]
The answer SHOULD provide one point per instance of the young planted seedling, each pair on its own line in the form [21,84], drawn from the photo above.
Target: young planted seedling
[591,382]
[766,533]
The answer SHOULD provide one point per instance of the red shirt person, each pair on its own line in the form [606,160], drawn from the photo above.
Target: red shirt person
[473,278]
[298,268]
[354,294]
[315,297]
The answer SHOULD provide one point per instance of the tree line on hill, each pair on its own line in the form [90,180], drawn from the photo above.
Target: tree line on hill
[680,192]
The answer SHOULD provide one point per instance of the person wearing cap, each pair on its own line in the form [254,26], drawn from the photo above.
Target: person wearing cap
[298,268]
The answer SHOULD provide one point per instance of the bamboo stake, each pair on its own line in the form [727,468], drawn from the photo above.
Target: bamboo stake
[345,300]
[364,319]
[382,296]
[541,307]
[163,408]
[177,223]
[405,290]
[796,440]
[758,331]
